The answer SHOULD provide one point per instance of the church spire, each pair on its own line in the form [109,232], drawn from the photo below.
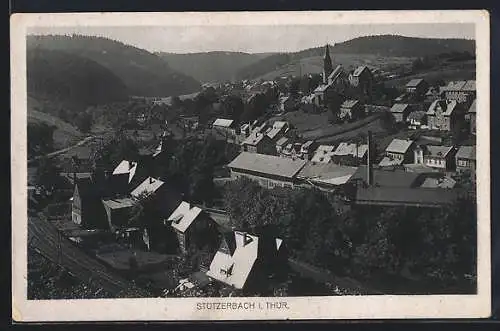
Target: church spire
[327,64]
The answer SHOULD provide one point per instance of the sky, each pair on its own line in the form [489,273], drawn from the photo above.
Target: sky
[257,39]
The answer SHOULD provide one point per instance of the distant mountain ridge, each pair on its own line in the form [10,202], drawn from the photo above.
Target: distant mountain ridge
[217,66]
[142,72]
[383,45]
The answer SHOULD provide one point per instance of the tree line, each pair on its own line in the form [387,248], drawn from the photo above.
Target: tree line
[436,244]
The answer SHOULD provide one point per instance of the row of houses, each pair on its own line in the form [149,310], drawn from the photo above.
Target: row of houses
[238,259]
[402,152]
[418,166]
[437,108]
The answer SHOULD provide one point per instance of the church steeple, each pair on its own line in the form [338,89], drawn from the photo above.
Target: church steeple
[327,65]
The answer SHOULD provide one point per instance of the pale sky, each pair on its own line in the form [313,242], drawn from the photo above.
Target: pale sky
[257,39]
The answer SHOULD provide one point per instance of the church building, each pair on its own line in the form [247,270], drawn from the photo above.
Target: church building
[334,80]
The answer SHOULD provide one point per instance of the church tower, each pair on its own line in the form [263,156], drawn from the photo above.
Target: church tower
[327,65]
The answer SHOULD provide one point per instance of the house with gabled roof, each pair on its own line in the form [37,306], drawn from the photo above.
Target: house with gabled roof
[225,126]
[164,198]
[307,149]
[350,154]
[435,156]
[399,151]
[280,144]
[465,158]
[351,110]
[246,261]
[460,91]
[278,130]
[87,209]
[192,226]
[400,112]
[443,115]
[118,212]
[362,77]
[417,86]
[257,142]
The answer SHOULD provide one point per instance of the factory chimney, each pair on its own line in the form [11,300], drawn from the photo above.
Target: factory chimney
[369,161]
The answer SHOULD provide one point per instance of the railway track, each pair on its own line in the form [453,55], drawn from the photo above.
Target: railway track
[47,241]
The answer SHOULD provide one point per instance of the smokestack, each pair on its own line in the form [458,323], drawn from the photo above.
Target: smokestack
[369,168]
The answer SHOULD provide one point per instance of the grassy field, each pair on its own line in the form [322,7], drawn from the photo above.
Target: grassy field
[456,71]
[375,126]
[317,126]
[314,65]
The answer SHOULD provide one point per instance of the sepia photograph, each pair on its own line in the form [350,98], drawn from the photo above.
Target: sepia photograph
[222,166]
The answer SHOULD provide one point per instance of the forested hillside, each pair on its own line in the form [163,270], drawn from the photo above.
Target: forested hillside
[382,46]
[143,73]
[211,66]
[72,79]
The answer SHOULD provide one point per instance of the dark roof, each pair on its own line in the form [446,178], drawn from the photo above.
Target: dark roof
[90,194]
[359,70]
[387,178]
[437,150]
[408,196]
[85,187]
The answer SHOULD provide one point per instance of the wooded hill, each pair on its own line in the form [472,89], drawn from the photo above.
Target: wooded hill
[211,66]
[71,79]
[383,46]
[143,73]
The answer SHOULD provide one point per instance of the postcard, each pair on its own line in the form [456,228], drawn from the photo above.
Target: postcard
[250,166]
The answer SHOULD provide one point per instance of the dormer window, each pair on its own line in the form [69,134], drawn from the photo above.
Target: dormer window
[228,271]
[177,218]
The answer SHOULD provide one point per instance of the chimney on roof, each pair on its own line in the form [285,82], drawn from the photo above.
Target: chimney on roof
[130,165]
[369,168]
[151,180]
[246,239]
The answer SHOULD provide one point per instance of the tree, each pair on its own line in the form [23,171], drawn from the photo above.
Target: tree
[47,174]
[233,107]
[83,122]
[255,108]
[118,149]
[176,102]
[294,86]
[417,65]
[40,138]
